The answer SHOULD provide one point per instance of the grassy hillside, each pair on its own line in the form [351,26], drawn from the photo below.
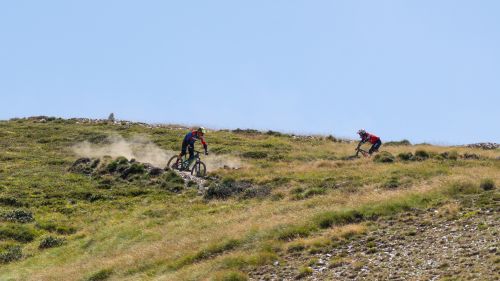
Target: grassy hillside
[286,192]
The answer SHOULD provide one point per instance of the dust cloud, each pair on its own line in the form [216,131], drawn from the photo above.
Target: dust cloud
[138,148]
[143,150]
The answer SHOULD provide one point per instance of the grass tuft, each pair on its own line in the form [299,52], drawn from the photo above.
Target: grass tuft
[384,157]
[101,275]
[50,242]
[230,276]
[487,184]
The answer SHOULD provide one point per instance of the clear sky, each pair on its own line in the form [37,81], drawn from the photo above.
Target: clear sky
[425,70]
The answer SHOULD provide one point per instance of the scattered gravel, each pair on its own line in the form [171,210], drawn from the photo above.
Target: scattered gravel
[422,246]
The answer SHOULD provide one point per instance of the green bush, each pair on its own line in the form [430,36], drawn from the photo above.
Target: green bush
[254,154]
[231,276]
[210,251]
[292,232]
[10,254]
[10,201]
[393,182]
[50,242]
[421,155]
[54,227]
[256,192]
[19,215]
[457,188]
[451,155]
[101,275]
[304,271]
[17,232]
[273,133]
[314,191]
[172,177]
[397,143]
[296,247]
[134,169]
[172,182]
[487,184]
[471,156]
[329,219]
[384,157]
[405,156]
[229,187]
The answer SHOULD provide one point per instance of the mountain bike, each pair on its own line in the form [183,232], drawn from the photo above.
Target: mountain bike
[362,151]
[358,151]
[199,168]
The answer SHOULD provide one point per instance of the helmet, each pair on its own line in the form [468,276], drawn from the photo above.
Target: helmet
[361,132]
[202,130]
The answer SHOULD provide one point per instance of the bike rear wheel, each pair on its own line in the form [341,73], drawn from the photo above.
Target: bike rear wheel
[173,164]
[199,169]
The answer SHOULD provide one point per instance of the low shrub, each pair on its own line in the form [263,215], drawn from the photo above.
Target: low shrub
[297,190]
[10,254]
[487,184]
[17,232]
[405,156]
[230,187]
[421,155]
[134,169]
[471,156]
[328,219]
[304,271]
[451,155]
[230,276]
[457,188]
[398,143]
[393,182]
[19,215]
[246,131]
[296,247]
[172,177]
[50,242]
[273,133]
[10,201]
[292,232]
[254,154]
[208,252]
[172,182]
[384,157]
[101,275]
[314,191]
[256,192]
[52,226]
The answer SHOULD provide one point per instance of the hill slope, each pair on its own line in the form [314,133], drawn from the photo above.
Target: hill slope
[272,203]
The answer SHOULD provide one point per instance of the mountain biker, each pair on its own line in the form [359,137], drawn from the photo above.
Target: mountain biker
[367,137]
[188,143]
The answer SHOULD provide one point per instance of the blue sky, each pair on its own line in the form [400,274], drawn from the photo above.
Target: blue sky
[420,70]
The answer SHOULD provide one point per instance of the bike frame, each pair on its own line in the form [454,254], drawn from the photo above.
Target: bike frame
[185,161]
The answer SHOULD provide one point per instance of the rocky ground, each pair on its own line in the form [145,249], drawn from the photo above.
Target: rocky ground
[436,244]
[484,145]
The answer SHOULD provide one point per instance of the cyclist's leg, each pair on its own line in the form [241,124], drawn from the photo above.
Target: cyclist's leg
[375,146]
[183,152]
[191,154]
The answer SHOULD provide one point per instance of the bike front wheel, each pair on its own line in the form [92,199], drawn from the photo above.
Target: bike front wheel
[199,169]
[173,164]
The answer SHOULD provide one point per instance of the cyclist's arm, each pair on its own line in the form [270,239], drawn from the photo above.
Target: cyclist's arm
[205,146]
[360,143]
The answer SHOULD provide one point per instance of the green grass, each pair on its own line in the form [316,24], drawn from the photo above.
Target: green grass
[105,226]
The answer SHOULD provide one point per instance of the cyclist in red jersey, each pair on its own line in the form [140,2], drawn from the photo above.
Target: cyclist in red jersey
[367,137]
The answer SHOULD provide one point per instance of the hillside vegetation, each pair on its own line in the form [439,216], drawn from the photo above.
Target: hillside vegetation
[271,200]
